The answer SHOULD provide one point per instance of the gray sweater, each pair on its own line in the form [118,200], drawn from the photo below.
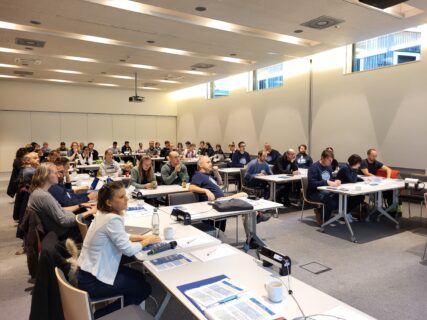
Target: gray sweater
[170,176]
[52,215]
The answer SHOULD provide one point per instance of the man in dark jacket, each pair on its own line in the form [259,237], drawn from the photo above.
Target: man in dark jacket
[286,164]
[319,175]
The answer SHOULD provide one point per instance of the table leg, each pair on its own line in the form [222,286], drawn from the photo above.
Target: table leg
[226,181]
[253,234]
[342,213]
[385,213]
[163,306]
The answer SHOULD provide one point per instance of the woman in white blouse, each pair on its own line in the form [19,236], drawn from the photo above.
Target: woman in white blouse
[109,167]
[101,274]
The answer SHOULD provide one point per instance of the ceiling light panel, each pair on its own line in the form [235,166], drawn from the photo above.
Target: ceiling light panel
[94,39]
[201,21]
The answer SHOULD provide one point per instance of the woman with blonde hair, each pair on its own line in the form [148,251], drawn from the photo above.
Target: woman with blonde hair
[53,217]
[109,167]
[142,176]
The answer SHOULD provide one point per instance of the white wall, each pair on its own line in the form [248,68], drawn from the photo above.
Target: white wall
[383,108]
[54,113]
[278,116]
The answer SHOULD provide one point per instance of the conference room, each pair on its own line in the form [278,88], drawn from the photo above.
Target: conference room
[212,159]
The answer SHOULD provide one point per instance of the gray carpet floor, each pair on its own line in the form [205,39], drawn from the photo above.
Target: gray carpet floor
[381,275]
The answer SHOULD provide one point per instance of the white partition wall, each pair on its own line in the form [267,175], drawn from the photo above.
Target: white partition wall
[18,128]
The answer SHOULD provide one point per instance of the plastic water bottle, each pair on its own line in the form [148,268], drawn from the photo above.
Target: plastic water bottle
[155,223]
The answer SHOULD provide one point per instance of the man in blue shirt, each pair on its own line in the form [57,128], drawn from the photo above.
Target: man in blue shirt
[319,175]
[258,167]
[240,158]
[205,183]
[63,192]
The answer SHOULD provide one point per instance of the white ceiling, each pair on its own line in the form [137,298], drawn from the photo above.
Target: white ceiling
[64,23]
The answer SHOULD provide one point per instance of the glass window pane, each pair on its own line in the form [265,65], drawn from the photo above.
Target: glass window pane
[390,49]
[269,77]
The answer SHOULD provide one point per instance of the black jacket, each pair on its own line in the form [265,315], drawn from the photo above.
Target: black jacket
[284,166]
[12,188]
[46,302]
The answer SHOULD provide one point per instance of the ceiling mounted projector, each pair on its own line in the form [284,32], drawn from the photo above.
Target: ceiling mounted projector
[382,4]
[136,98]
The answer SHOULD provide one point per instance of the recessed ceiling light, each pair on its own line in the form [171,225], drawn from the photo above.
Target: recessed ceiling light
[66,71]
[200,9]
[233,54]
[151,41]
[298,31]
[35,22]
[107,84]
[272,53]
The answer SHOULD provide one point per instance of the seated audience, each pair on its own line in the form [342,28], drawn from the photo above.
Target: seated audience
[13,185]
[93,152]
[30,162]
[180,149]
[85,158]
[142,176]
[81,146]
[63,191]
[187,146]
[334,164]
[101,274]
[126,150]
[166,150]
[303,159]
[151,151]
[208,150]
[258,167]
[191,152]
[157,146]
[73,153]
[53,217]
[319,175]
[240,158]
[286,164]
[272,154]
[370,166]
[348,174]
[52,156]
[109,167]
[232,149]
[201,150]
[218,154]
[116,151]
[63,150]
[140,148]
[173,171]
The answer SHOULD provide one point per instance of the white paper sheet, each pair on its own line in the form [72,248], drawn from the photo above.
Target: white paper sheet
[214,252]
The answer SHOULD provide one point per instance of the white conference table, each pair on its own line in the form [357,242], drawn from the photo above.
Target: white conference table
[163,190]
[276,179]
[248,272]
[203,210]
[227,172]
[364,188]
[240,267]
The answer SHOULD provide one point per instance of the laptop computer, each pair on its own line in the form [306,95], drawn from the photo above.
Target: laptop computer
[137,230]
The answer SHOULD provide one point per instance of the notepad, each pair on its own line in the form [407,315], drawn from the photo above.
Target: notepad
[198,240]
[214,252]
[220,298]
[170,262]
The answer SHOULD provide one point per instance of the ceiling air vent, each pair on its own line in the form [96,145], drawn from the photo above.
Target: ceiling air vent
[30,42]
[322,22]
[23,73]
[202,66]
[150,84]
[27,62]
[382,4]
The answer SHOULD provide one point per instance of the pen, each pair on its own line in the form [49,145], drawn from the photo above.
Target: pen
[191,240]
[210,252]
